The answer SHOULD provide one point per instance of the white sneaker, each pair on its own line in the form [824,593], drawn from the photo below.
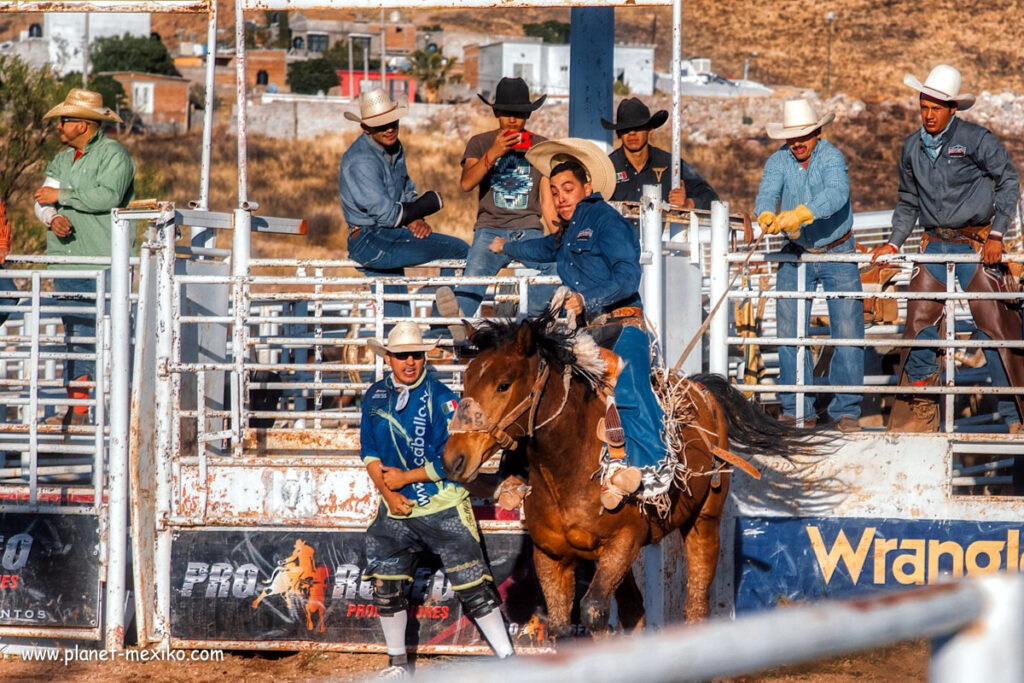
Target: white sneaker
[394,673]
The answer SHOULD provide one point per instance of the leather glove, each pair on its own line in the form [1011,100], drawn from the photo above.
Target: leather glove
[769,224]
[428,203]
[791,220]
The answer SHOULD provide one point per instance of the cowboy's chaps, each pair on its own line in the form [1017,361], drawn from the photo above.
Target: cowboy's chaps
[994,318]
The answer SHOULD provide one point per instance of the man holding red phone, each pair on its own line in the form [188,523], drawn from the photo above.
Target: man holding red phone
[512,202]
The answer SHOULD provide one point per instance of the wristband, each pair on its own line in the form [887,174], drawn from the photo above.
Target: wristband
[997,236]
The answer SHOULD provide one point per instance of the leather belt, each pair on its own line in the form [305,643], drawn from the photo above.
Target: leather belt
[969,235]
[832,245]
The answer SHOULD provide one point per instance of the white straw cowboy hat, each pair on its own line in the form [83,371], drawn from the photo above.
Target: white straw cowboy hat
[83,104]
[798,119]
[405,337]
[550,153]
[376,109]
[943,83]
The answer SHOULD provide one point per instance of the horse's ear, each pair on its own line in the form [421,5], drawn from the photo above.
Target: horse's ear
[524,339]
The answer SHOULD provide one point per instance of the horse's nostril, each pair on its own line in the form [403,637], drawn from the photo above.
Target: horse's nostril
[459,465]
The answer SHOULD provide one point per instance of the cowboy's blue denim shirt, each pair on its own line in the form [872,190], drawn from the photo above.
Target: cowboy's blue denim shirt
[598,256]
[372,184]
[824,188]
[411,437]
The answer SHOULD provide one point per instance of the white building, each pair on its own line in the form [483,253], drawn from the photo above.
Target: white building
[545,67]
[68,32]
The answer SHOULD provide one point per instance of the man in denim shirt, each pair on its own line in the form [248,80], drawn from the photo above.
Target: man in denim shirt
[385,216]
[806,181]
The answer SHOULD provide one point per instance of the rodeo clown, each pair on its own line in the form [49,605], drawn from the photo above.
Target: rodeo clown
[403,432]
[597,254]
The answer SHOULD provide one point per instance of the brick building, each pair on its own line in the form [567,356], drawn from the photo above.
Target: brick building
[161,102]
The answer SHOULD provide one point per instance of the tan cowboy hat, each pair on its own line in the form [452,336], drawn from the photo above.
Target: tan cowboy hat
[943,83]
[376,109]
[84,104]
[798,119]
[549,154]
[404,337]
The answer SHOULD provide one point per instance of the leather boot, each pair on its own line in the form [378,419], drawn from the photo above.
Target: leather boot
[622,482]
[918,413]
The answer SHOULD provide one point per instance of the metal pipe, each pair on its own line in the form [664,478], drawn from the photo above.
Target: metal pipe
[383,51]
[987,652]
[677,106]
[718,358]
[653,274]
[120,352]
[761,641]
[243,153]
[204,237]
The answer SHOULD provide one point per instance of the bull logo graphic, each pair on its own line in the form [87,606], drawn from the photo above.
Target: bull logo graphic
[299,578]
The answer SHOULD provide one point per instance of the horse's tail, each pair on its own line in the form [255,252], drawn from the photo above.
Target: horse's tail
[754,432]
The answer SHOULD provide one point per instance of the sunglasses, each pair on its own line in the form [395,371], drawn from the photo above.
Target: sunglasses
[406,355]
[68,119]
[380,129]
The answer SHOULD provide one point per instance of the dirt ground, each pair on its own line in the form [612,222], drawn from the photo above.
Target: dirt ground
[903,662]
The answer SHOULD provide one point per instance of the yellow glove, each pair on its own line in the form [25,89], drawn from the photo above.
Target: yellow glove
[769,225]
[790,221]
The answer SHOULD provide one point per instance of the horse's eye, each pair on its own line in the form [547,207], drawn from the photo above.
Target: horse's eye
[504,386]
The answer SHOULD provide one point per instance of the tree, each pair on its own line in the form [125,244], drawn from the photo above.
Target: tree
[25,139]
[311,76]
[551,31]
[432,71]
[131,53]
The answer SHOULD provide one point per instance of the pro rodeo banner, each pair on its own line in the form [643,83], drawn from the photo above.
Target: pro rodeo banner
[306,585]
[49,571]
[784,558]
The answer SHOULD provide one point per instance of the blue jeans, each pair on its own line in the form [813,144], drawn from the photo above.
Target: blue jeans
[80,324]
[922,361]
[846,321]
[482,262]
[6,285]
[639,410]
[387,251]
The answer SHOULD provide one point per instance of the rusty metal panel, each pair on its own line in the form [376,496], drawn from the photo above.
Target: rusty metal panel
[249,5]
[106,6]
[257,588]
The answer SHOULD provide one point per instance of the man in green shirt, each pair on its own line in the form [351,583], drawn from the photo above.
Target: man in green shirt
[90,176]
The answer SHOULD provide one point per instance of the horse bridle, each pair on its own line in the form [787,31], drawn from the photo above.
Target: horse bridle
[470,416]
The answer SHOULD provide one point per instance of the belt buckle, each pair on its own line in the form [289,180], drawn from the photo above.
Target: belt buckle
[947,233]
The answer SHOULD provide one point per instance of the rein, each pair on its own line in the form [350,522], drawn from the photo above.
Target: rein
[471,418]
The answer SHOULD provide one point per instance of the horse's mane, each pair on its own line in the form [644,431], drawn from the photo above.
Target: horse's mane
[557,345]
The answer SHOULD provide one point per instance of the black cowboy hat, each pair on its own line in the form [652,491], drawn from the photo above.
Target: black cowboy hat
[512,94]
[633,114]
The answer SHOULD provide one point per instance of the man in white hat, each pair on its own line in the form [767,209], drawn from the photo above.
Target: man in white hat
[597,254]
[90,176]
[385,214]
[403,433]
[960,184]
[806,182]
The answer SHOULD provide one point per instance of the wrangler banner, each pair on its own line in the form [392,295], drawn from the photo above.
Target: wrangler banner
[306,585]
[787,559]
[49,571]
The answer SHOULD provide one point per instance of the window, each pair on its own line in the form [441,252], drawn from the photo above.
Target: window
[142,98]
[35,31]
[317,42]
[262,78]
[298,43]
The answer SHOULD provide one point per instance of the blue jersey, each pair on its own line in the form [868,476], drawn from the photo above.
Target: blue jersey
[412,436]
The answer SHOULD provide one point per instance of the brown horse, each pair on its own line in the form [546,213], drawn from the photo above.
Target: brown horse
[528,388]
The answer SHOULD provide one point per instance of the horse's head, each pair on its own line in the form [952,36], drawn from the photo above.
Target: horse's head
[504,385]
[498,382]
